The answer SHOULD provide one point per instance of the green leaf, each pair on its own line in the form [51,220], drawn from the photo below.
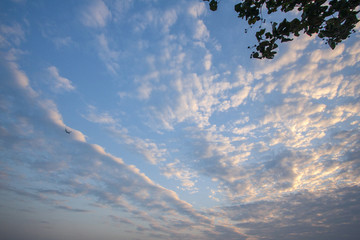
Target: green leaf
[332,44]
[238,7]
[213,5]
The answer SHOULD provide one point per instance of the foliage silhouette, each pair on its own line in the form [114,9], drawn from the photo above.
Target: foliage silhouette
[333,21]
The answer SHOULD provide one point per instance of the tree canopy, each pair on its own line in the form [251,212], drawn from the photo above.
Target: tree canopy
[332,20]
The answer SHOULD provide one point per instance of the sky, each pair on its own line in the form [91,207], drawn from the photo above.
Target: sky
[175,132]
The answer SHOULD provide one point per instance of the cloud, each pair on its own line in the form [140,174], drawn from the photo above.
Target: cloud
[286,146]
[238,98]
[168,19]
[179,172]
[279,139]
[264,132]
[197,9]
[120,220]
[119,9]
[96,14]
[108,55]
[59,82]
[95,117]
[70,209]
[257,170]
[146,87]
[145,90]
[320,215]
[295,52]
[62,41]
[155,19]
[201,32]
[20,78]
[11,35]
[207,61]
[82,169]
[151,151]
[195,99]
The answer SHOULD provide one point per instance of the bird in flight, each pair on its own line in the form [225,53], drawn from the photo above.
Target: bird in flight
[67,131]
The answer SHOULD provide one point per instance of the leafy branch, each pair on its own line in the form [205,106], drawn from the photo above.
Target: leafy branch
[333,21]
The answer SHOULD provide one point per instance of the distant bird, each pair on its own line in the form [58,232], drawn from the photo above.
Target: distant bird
[67,131]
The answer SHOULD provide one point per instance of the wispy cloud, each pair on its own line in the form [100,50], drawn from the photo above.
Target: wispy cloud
[196,9]
[108,55]
[119,9]
[96,14]
[179,172]
[207,61]
[200,31]
[151,151]
[11,34]
[250,161]
[122,185]
[153,18]
[263,149]
[59,82]
[146,87]
[94,116]
[294,53]
[296,215]
[62,41]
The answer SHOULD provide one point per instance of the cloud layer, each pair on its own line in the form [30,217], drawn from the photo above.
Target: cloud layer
[175,135]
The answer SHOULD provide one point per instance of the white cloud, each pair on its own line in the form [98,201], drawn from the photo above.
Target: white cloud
[298,213]
[108,55]
[197,9]
[156,20]
[146,87]
[201,31]
[278,137]
[244,130]
[96,117]
[295,51]
[238,98]
[144,90]
[60,83]
[168,19]
[195,99]
[11,35]
[290,149]
[244,78]
[207,61]
[151,151]
[185,175]
[327,54]
[120,9]
[96,14]
[49,108]
[62,41]
[349,87]
[354,54]
[97,176]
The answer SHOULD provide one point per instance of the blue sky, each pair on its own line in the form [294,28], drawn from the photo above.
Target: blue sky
[176,132]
